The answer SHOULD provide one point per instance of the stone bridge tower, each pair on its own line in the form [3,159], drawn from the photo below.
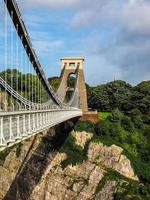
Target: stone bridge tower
[68,67]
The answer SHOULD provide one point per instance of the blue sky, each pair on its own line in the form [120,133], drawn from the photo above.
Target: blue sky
[112,35]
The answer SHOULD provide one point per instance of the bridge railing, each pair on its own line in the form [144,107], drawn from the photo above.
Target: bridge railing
[17,126]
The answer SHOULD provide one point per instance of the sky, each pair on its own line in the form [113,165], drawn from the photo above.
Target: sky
[112,35]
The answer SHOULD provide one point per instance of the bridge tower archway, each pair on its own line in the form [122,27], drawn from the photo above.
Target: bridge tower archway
[69,66]
[71,85]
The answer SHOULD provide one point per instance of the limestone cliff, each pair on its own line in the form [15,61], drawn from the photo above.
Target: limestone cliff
[82,180]
[81,169]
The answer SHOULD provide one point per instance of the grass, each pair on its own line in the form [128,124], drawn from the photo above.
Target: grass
[103,115]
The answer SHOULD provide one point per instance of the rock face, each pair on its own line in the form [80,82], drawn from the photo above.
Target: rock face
[25,163]
[9,168]
[107,191]
[81,181]
[111,157]
[78,179]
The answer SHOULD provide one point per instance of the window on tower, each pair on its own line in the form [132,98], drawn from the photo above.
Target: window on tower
[72,65]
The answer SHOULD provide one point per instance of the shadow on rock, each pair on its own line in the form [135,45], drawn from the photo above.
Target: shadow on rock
[32,170]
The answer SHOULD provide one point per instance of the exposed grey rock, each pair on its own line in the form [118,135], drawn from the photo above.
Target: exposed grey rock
[94,151]
[124,167]
[82,138]
[81,170]
[74,182]
[111,157]
[107,191]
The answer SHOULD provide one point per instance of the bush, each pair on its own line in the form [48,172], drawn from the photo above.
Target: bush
[108,128]
[136,118]
[141,168]
[132,191]
[123,136]
[143,171]
[116,116]
[135,112]
[85,126]
[146,119]
[130,150]
[103,128]
[144,154]
[75,153]
[127,124]
[146,133]
[136,138]
[138,123]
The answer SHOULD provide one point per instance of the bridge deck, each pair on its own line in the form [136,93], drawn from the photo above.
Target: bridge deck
[17,126]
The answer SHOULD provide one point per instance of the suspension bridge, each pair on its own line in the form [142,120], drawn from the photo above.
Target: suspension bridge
[28,103]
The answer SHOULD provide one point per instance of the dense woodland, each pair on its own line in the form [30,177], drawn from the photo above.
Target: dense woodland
[121,95]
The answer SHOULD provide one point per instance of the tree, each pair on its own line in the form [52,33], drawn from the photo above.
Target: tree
[121,95]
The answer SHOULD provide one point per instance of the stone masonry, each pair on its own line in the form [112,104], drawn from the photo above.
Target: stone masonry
[69,66]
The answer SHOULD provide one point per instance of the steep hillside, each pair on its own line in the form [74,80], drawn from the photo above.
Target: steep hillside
[83,168]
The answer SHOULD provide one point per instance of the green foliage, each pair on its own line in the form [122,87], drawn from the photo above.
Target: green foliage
[103,115]
[143,87]
[54,82]
[108,128]
[146,133]
[28,85]
[129,189]
[85,126]
[132,191]
[127,124]
[116,115]
[98,99]
[71,81]
[75,153]
[18,149]
[132,135]
[136,117]
[135,112]
[109,96]
[146,118]
[101,184]
[126,188]
[121,95]
[4,154]
[124,131]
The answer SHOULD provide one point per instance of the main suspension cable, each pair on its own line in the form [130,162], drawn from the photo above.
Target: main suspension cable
[6,55]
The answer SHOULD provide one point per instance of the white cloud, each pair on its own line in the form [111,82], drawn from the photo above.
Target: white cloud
[136,17]
[47,46]
[85,12]
[53,4]
[127,50]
